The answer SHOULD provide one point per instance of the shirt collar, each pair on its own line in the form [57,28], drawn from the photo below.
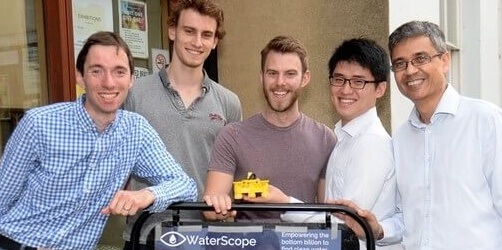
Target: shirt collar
[356,125]
[447,105]
[164,78]
[85,120]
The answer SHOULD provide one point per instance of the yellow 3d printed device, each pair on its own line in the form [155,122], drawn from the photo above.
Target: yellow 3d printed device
[251,186]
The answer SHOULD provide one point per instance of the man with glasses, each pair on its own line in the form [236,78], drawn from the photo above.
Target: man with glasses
[360,167]
[448,155]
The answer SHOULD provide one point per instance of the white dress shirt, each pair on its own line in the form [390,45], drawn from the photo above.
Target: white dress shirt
[449,176]
[361,168]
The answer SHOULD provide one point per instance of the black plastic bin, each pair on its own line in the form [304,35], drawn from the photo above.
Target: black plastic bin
[255,235]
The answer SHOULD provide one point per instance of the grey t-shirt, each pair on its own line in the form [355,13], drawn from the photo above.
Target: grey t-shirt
[187,132]
[292,158]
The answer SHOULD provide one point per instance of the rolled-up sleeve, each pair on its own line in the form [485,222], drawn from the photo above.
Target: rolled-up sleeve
[169,182]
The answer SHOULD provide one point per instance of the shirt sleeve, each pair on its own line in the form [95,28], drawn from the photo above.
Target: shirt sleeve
[234,110]
[19,158]
[493,159]
[393,227]
[169,182]
[223,155]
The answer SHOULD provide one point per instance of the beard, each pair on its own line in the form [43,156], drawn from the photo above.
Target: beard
[283,105]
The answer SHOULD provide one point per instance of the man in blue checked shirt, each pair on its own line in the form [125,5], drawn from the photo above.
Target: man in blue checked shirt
[64,167]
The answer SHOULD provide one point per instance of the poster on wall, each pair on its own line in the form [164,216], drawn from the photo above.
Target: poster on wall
[90,16]
[133,26]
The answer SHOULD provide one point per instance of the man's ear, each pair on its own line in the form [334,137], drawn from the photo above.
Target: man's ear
[306,78]
[80,79]
[171,32]
[446,59]
[380,89]
[216,40]
[133,78]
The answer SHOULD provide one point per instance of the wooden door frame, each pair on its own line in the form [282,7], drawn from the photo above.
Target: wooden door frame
[58,30]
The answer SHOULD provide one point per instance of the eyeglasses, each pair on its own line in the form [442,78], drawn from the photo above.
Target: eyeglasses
[355,83]
[416,61]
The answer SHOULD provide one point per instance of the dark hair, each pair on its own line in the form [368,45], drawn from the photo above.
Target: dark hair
[105,38]
[204,7]
[415,29]
[285,44]
[366,53]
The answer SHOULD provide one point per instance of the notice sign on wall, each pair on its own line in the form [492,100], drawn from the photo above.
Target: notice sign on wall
[160,59]
[90,16]
[134,27]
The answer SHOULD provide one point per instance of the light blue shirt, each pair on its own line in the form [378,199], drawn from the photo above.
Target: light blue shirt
[449,175]
[58,172]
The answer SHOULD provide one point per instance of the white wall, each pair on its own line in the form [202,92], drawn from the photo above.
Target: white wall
[480,48]
[490,75]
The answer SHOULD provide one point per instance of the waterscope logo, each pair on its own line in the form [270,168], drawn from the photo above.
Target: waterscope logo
[175,239]
[172,239]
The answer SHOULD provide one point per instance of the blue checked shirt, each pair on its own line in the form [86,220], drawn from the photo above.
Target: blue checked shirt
[58,172]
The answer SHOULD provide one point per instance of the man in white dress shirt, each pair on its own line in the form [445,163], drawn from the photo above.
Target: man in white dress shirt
[448,155]
[360,167]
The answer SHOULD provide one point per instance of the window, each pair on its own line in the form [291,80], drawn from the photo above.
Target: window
[450,24]
[23,71]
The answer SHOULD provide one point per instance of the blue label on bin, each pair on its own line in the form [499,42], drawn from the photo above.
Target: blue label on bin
[309,239]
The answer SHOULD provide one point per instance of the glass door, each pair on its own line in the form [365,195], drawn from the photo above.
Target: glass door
[23,74]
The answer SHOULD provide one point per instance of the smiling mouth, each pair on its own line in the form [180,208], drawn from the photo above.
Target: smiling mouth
[414,82]
[108,96]
[345,100]
[280,93]
[194,52]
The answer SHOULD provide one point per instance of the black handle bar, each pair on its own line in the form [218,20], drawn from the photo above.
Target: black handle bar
[311,207]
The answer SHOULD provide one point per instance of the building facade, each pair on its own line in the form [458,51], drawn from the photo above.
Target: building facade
[39,40]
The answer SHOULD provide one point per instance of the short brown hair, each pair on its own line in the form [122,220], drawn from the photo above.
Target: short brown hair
[285,44]
[105,38]
[204,7]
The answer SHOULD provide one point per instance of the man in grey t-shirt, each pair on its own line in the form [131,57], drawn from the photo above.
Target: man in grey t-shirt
[181,102]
